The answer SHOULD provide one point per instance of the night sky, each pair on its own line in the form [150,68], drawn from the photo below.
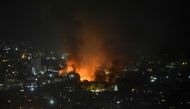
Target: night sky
[130,26]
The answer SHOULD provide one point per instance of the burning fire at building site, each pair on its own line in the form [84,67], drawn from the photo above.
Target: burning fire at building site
[92,70]
[89,49]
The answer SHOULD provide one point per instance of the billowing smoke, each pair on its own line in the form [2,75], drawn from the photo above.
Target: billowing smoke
[92,51]
[89,47]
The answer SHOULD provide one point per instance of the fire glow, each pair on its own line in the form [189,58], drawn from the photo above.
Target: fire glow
[86,69]
[89,50]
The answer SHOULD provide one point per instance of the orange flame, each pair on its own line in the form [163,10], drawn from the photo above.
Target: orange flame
[86,68]
[90,52]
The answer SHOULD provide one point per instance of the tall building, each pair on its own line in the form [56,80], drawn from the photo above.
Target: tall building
[36,65]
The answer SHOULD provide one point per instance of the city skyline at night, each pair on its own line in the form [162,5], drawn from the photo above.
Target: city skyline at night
[94,54]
